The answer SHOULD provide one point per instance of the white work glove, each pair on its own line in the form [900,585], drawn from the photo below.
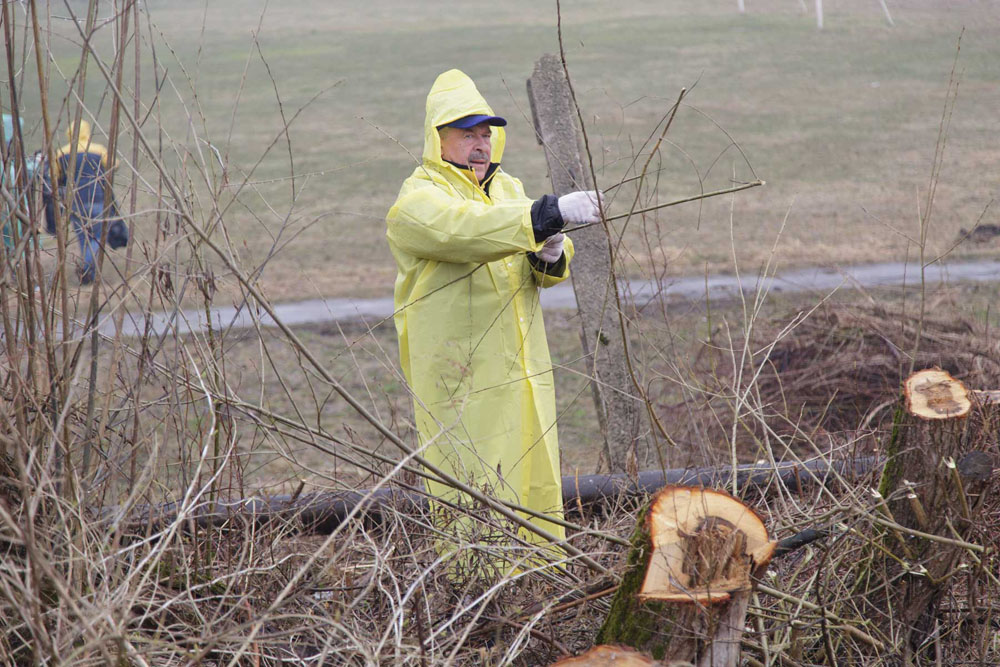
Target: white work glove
[580,207]
[552,249]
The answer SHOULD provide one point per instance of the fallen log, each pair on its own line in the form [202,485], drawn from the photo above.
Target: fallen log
[322,513]
[688,578]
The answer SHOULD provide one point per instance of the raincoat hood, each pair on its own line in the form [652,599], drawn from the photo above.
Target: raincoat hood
[84,133]
[454,96]
[83,148]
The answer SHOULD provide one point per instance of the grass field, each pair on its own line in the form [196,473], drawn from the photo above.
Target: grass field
[679,349]
[852,127]
[842,123]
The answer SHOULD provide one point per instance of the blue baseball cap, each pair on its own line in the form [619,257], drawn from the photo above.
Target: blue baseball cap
[471,121]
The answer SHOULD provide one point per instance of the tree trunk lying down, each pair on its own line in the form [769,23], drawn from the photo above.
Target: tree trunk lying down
[323,512]
[688,580]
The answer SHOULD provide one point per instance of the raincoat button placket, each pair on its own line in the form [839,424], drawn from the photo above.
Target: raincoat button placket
[519,310]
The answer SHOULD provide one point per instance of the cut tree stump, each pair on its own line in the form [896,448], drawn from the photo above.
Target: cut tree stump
[689,577]
[934,481]
[608,655]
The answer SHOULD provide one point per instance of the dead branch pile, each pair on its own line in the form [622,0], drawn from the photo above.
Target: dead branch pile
[837,371]
[97,419]
[905,574]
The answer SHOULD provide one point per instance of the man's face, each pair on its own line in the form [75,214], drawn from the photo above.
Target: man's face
[469,147]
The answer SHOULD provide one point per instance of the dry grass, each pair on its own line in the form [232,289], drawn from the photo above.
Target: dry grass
[378,593]
[841,124]
[832,378]
[97,430]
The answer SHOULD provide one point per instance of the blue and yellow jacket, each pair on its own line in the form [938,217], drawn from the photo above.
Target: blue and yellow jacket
[90,167]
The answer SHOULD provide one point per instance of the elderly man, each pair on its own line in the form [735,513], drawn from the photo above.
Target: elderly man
[472,251]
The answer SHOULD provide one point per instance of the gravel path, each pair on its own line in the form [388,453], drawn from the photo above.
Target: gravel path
[820,280]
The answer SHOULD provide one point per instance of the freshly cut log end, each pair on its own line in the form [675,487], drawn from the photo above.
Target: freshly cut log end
[705,546]
[607,655]
[934,394]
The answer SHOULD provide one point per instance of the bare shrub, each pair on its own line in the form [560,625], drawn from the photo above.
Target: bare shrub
[833,377]
[132,529]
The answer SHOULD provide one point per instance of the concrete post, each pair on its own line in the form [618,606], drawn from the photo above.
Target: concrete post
[593,281]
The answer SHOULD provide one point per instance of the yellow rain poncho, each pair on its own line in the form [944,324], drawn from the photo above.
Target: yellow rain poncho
[471,338]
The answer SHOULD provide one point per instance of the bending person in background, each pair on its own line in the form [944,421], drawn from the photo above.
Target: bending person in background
[471,251]
[84,167]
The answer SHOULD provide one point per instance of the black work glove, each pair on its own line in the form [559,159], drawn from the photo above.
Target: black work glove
[546,219]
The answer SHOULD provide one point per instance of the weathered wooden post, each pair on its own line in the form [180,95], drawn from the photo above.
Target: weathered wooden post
[593,280]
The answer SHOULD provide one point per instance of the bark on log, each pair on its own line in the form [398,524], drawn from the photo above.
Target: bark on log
[323,512]
[618,409]
[688,578]
[934,481]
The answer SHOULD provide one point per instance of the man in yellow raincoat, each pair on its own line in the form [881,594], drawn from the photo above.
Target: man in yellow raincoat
[472,250]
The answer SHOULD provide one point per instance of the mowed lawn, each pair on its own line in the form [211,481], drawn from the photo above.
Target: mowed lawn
[842,123]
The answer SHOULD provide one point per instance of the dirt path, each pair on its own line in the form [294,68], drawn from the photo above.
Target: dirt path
[373,311]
